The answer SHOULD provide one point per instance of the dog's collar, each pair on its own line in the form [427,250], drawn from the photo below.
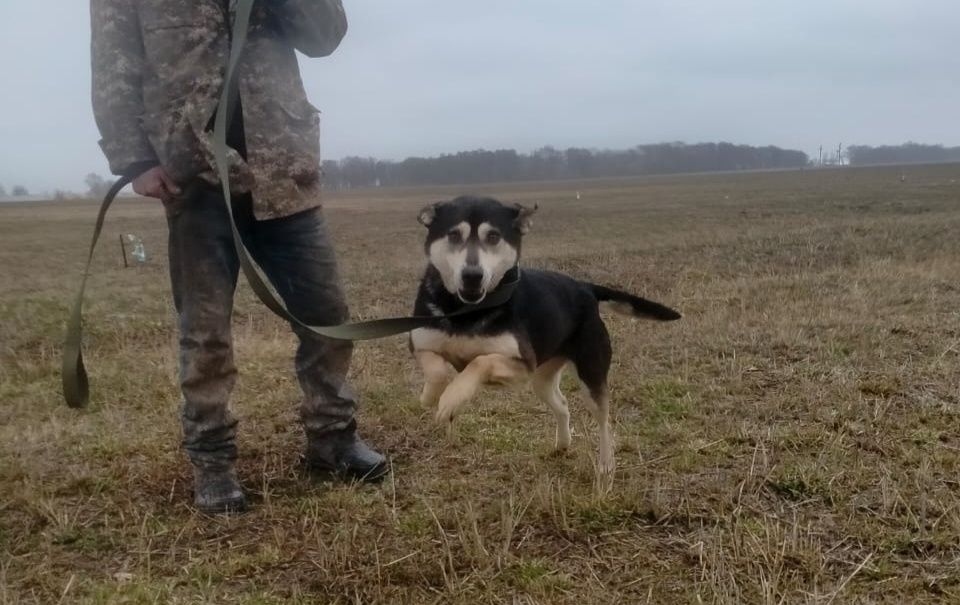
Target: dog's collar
[512,276]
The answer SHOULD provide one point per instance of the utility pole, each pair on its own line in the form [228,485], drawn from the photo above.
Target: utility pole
[820,158]
[839,157]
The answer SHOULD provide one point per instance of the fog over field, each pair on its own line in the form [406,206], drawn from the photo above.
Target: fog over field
[425,77]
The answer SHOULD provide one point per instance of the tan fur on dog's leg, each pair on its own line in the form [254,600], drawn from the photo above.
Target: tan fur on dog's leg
[605,455]
[546,384]
[436,375]
[607,462]
[483,369]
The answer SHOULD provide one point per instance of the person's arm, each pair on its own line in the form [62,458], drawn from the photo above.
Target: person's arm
[314,27]
[117,63]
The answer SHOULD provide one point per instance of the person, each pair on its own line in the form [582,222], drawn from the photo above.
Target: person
[158,69]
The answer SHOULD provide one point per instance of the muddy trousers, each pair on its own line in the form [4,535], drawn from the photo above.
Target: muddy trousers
[298,257]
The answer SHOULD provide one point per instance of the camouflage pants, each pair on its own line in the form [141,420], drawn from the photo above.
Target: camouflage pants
[297,255]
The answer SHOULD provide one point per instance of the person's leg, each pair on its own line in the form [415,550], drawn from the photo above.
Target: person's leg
[298,256]
[203,272]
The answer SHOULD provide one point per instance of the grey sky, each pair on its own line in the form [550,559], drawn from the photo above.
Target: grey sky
[430,76]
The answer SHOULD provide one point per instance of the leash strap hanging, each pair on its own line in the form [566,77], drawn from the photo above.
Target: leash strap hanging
[76,385]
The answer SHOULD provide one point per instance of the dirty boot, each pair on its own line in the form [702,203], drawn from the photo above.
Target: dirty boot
[217,491]
[344,455]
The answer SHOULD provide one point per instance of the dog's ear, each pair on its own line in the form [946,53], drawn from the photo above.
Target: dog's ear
[524,219]
[428,213]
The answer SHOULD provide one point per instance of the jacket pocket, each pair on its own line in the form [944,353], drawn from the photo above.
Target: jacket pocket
[301,142]
[179,50]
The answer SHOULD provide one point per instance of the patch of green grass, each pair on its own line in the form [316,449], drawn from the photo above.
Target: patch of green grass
[798,484]
[664,400]
[86,540]
[536,576]
[596,516]
[503,438]
[840,350]
[416,523]
[132,591]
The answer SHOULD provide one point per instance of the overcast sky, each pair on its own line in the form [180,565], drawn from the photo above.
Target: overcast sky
[422,77]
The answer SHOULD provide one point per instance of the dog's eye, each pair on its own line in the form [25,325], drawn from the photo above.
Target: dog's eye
[493,238]
[455,237]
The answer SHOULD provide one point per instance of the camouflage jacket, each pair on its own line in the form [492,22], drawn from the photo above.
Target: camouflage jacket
[158,69]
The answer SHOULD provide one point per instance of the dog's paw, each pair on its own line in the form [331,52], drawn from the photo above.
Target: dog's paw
[446,424]
[452,435]
[606,467]
[603,482]
[444,418]
[446,408]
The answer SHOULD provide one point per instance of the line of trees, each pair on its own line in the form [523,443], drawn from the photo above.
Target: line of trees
[97,186]
[547,163]
[16,191]
[908,153]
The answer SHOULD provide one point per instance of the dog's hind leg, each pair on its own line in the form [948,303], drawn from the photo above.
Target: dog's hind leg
[494,368]
[592,361]
[605,456]
[546,384]
[436,375]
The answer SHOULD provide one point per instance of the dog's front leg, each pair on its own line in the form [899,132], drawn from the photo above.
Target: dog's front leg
[483,369]
[435,376]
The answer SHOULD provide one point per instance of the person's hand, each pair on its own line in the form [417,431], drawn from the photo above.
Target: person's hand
[156,183]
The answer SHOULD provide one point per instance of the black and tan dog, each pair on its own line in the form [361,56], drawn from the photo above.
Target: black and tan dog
[552,320]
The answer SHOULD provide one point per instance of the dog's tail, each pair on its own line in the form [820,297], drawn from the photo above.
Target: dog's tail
[634,306]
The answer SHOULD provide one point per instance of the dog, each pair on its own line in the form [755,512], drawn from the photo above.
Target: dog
[551,320]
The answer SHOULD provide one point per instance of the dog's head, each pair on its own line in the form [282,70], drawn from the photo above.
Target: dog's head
[473,242]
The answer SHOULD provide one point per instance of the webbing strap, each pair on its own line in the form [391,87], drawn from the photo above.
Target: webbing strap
[76,386]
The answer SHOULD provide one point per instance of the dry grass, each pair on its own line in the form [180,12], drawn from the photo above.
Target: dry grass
[794,439]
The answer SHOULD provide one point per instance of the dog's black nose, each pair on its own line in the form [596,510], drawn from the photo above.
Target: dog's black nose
[472,277]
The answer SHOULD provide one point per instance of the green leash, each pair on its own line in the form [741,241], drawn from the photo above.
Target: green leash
[76,385]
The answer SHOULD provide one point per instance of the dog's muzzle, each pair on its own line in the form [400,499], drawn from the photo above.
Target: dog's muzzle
[471,289]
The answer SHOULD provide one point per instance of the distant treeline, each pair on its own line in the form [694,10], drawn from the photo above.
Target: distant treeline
[908,153]
[548,163]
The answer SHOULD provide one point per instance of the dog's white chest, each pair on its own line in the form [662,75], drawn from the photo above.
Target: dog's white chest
[460,350]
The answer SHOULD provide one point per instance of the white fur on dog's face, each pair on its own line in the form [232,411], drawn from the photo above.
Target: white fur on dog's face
[462,247]
[496,259]
[450,258]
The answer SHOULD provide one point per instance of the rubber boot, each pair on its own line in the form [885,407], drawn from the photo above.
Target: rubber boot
[345,456]
[217,491]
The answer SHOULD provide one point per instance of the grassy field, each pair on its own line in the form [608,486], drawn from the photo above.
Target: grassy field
[795,438]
